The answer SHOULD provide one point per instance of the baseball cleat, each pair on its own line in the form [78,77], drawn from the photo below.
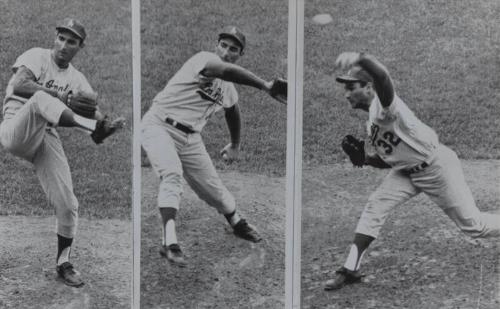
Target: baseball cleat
[174,254]
[246,231]
[344,277]
[105,128]
[69,275]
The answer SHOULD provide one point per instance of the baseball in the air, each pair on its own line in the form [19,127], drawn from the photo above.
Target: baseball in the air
[225,157]
[322,19]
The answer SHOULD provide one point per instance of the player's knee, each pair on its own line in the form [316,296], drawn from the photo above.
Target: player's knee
[171,179]
[9,142]
[39,96]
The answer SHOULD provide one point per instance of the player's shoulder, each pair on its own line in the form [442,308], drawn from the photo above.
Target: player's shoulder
[204,55]
[37,52]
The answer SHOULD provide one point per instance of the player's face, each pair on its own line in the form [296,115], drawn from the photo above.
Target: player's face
[65,48]
[228,50]
[358,96]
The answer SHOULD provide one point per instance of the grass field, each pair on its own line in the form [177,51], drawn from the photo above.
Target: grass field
[101,174]
[442,55]
[173,31]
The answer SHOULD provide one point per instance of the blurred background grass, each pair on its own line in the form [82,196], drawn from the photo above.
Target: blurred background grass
[173,31]
[442,55]
[101,174]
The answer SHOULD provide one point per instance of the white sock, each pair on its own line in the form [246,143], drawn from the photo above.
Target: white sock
[234,219]
[86,123]
[169,236]
[353,260]
[64,257]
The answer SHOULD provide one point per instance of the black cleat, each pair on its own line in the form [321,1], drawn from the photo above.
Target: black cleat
[173,254]
[344,277]
[246,231]
[68,275]
[105,128]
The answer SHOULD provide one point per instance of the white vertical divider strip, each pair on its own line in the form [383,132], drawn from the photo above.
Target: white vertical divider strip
[294,154]
[136,155]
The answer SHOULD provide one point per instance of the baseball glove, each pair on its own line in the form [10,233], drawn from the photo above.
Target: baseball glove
[83,103]
[279,90]
[355,149]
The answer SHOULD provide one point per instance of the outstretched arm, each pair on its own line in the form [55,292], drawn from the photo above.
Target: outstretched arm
[24,84]
[381,79]
[236,74]
[231,151]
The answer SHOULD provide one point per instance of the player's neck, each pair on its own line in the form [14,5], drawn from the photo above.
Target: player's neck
[59,63]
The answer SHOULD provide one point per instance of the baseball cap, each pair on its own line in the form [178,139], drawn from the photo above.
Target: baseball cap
[235,33]
[355,74]
[73,26]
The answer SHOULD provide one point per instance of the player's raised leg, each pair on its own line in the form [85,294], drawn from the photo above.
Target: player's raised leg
[23,132]
[201,175]
[53,171]
[394,190]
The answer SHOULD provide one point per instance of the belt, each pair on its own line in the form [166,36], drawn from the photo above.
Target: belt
[179,126]
[416,168]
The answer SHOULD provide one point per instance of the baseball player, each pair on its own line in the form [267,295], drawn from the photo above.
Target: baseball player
[411,149]
[172,141]
[45,92]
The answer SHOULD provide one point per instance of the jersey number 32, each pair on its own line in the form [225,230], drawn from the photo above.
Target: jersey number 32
[386,140]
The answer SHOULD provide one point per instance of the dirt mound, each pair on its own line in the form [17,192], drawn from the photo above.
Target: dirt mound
[421,260]
[101,252]
[223,271]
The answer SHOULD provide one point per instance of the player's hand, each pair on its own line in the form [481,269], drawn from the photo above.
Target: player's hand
[346,60]
[230,152]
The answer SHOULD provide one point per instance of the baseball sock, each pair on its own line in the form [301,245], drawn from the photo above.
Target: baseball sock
[358,247]
[168,227]
[70,119]
[86,123]
[232,218]
[63,249]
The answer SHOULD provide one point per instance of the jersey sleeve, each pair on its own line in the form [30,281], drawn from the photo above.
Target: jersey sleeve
[200,60]
[33,59]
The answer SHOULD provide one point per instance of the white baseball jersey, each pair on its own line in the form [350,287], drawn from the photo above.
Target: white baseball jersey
[47,74]
[399,137]
[191,98]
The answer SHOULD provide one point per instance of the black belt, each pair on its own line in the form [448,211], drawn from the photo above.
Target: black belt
[416,168]
[179,126]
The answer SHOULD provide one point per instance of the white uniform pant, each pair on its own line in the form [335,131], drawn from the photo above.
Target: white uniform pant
[444,182]
[174,154]
[27,135]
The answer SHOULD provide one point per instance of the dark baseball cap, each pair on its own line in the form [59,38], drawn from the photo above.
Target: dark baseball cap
[73,26]
[355,74]
[234,33]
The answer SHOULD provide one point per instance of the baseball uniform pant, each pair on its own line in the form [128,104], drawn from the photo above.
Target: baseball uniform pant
[444,182]
[174,154]
[27,134]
